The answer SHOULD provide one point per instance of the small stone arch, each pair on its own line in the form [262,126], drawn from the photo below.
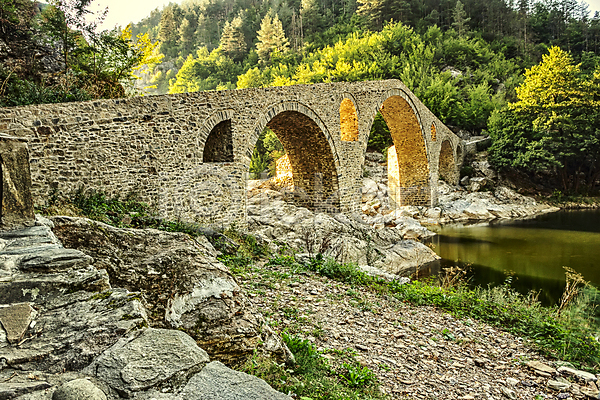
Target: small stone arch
[311,151]
[447,164]
[433,132]
[408,165]
[348,120]
[217,138]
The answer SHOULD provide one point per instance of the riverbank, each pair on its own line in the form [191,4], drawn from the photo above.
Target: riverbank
[364,324]
[414,351]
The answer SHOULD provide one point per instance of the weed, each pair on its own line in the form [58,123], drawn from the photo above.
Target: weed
[313,377]
[356,376]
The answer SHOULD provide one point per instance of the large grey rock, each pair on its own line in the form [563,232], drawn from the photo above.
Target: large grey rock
[457,205]
[37,249]
[148,358]
[410,228]
[217,382]
[72,329]
[39,288]
[183,283]
[337,235]
[78,389]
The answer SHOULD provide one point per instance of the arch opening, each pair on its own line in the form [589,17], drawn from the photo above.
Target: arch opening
[447,169]
[308,164]
[219,144]
[348,121]
[408,167]
[433,132]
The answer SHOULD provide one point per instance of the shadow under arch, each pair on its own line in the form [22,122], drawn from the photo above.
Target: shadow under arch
[408,164]
[447,166]
[216,138]
[311,151]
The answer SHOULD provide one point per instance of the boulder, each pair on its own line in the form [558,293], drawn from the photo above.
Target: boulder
[183,283]
[410,228]
[338,236]
[78,389]
[217,382]
[477,184]
[70,330]
[148,358]
[484,168]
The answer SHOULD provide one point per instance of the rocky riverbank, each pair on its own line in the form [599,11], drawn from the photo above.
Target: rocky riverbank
[415,352]
[478,198]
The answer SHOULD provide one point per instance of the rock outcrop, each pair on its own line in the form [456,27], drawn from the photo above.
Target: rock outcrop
[337,235]
[182,282]
[74,326]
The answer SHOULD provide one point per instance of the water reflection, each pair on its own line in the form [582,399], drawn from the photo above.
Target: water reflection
[534,250]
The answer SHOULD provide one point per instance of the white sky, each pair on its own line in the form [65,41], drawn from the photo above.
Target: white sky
[122,12]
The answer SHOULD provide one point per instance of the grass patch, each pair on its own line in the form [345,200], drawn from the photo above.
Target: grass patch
[314,377]
[123,212]
[567,333]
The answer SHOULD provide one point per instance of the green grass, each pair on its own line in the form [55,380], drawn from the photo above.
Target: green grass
[314,377]
[123,212]
[569,336]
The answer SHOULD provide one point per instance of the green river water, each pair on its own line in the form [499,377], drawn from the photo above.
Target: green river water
[534,251]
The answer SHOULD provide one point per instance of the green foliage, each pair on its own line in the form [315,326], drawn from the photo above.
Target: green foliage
[267,151]
[206,71]
[314,378]
[356,376]
[18,92]
[380,138]
[554,125]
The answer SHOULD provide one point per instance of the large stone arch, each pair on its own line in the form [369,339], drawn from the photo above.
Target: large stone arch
[447,164]
[311,151]
[408,164]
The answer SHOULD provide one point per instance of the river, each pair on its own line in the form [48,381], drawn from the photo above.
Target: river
[532,251]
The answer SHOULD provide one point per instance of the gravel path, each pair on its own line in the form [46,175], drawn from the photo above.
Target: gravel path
[416,352]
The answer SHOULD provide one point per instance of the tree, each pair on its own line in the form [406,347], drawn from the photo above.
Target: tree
[271,38]
[460,18]
[187,32]
[555,124]
[66,23]
[233,43]
[168,33]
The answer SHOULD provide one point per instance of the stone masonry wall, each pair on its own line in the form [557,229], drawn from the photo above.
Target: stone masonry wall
[155,145]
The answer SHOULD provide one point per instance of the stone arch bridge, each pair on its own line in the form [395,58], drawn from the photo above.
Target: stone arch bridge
[189,154]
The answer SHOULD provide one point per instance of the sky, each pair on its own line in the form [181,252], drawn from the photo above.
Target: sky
[122,12]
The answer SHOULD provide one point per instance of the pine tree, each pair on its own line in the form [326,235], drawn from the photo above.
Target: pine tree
[233,43]
[373,11]
[312,18]
[186,34]
[168,32]
[271,37]
[460,18]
